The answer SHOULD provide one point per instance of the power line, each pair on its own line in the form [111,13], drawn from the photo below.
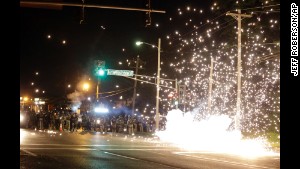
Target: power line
[148,82]
[198,28]
[261,7]
[58,4]
[117,93]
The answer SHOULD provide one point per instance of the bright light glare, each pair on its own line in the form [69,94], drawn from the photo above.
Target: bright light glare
[22,135]
[21,117]
[86,86]
[101,110]
[211,134]
[139,43]
[101,72]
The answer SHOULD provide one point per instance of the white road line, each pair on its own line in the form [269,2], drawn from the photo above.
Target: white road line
[136,149]
[28,152]
[121,156]
[132,158]
[46,148]
[224,161]
[108,149]
[86,145]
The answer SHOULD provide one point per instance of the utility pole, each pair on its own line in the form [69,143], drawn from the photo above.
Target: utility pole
[210,85]
[238,16]
[138,62]
[177,100]
[157,87]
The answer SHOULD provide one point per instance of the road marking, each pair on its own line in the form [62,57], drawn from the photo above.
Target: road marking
[83,149]
[28,152]
[87,145]
[136,149]
[120,155]
[132,158]
[109,149]
[46,148]
[224,161]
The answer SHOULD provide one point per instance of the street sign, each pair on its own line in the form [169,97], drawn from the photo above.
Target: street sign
[119,72]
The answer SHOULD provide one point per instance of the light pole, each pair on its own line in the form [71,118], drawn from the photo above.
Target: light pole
[157,81]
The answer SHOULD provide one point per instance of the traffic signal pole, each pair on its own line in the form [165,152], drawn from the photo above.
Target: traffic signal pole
[98,86]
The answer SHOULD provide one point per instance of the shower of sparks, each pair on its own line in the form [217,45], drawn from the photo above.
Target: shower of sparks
[196,39]
[211,135]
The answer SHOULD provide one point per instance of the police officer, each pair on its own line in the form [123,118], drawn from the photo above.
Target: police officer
[113,124]
[130,125]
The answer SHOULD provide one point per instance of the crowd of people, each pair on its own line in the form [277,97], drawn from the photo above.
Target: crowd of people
[71,121]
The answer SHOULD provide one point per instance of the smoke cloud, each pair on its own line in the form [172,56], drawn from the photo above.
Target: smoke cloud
[76,99]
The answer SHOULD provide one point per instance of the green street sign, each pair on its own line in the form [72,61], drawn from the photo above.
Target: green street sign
[119,72]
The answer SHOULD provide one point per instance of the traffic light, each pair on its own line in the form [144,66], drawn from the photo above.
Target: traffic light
[100,72]
[100,68]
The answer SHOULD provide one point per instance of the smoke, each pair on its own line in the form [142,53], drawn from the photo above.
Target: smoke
[76,99]
[122,109]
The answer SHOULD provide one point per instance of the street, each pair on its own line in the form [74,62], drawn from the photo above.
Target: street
[63,150]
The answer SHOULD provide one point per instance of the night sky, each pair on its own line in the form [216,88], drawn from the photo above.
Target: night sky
[105,34]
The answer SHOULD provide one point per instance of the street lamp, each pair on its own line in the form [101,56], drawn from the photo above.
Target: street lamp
[86,86]
[157,81]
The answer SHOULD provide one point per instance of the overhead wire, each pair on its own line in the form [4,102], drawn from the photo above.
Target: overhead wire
[117,93]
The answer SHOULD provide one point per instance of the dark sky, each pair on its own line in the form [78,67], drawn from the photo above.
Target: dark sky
[59,65]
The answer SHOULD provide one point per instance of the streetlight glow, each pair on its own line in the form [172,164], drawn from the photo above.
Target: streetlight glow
[86,86]
[139,43]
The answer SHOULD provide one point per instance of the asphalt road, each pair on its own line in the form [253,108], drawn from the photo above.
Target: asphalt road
[93,150]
